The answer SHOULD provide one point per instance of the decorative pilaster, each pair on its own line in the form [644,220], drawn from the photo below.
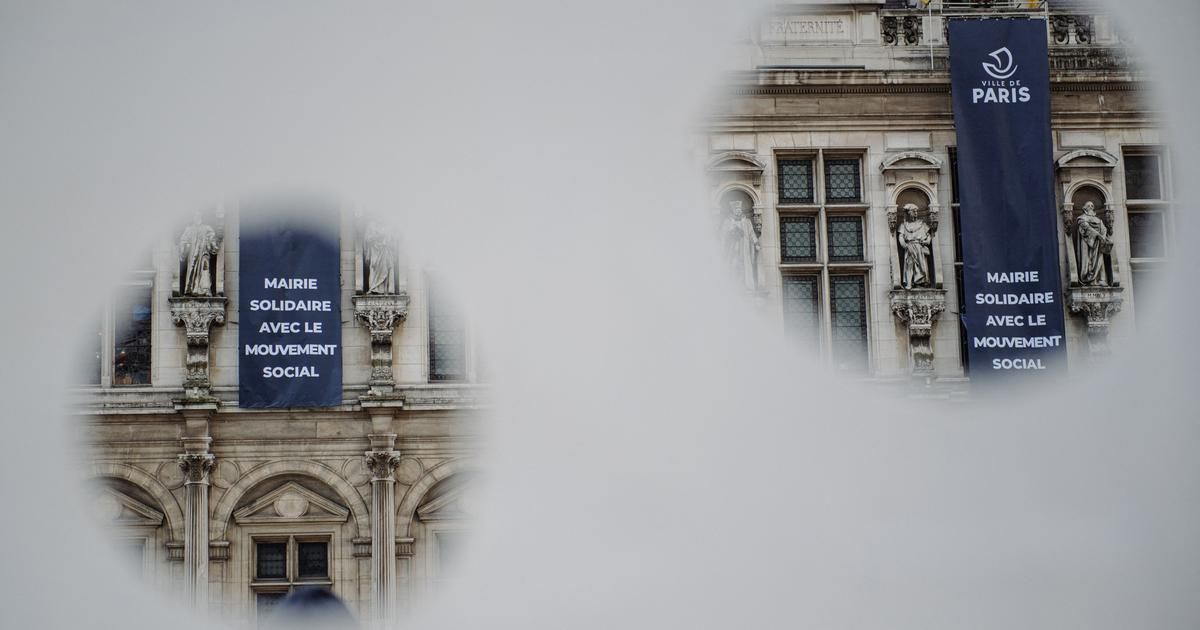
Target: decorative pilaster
[197,315]
[381,314]
[1097,304]
[919,309]
[382,463]
[196,466]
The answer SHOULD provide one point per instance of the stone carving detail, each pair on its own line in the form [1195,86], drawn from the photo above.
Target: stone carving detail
[218,550]
[291,505]
[915,240]
[381,314]
[1097,304]
[404,547]
[199,250]
[1062,27]
[1083,29]
[382,463]
[919,309]
[195,467]
[740,244]
[891,27]
[197,315]
[906,29]
[362,547]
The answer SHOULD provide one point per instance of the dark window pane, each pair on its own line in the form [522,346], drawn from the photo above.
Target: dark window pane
[963,357]
[272,561]
[131,349]
[798,236]
[1146,234]
[1142,177]
[266,602]
[842,182]
[956,213]
[314,560]
[845,239]
[447,339]
[795,181]
[800,306]
[849,311]
[954,175]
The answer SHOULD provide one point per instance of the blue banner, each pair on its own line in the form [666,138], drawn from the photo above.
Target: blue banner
[289,310]
[1000,77]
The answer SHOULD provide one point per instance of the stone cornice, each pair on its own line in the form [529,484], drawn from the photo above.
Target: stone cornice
[161,400]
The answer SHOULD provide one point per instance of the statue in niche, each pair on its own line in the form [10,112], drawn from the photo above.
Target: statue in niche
[198,247]
[741,246]
[379,250]
[1092,244]
[915,240]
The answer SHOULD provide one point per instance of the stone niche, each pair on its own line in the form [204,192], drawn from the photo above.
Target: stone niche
[917,298]
[1092,270]
[737,176]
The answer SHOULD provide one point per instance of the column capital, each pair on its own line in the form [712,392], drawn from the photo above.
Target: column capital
[382,464]
[195,467]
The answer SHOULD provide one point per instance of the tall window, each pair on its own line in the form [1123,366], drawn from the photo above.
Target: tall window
[117,351]
[284,563]
[1147,201]
[447,335]
[823,253]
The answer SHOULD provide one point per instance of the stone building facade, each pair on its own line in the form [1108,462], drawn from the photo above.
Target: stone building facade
[234,508]
[838,116]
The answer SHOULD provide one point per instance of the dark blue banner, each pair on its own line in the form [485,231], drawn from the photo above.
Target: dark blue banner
[289,310]
[1013,295]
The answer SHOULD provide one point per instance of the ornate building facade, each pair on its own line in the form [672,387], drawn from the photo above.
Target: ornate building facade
[836,137]
[233,508]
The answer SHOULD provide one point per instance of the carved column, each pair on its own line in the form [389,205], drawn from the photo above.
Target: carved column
[1097,304]
[197,315]
[381,314]
[382,463]
[196,465]
[919,309]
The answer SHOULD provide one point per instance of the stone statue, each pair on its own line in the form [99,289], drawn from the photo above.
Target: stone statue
[915,240]
[1092,243]
[379,250]
[741,246]
[198,247]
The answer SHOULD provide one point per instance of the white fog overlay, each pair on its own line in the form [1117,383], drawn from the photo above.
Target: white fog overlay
[657,456]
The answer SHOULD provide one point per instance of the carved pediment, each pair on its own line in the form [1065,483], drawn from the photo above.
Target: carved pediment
[911,160]
[736,162]
[291,503]
[454,504]
[117,508]
[1087,158]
